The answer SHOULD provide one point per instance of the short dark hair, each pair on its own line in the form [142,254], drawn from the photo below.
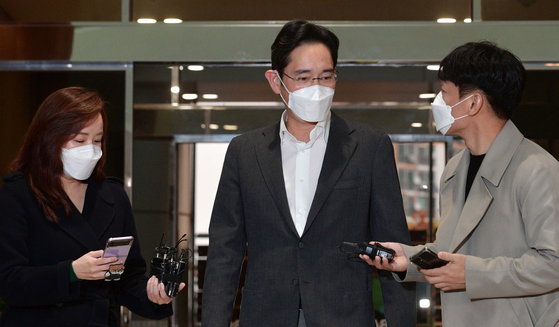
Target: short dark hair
[296,33]
[484,66]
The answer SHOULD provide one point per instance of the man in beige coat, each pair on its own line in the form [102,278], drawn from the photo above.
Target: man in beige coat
[499,201]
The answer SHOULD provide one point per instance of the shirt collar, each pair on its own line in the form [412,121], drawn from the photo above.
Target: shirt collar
[321,129]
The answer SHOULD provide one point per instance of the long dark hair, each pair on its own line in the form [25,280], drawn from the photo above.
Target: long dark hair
[60,117]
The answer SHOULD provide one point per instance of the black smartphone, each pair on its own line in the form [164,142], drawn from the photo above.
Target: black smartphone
[427,259]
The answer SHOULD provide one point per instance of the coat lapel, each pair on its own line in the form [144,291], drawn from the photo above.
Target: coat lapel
[467,217]
[339,150]
[452,198]
[268,154]
[102,211]
[472,212]
[101,216]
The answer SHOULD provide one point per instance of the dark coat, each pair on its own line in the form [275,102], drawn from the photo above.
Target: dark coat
[357,199]
[35,259]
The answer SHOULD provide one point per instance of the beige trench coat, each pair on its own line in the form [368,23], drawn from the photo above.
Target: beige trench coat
[509,230]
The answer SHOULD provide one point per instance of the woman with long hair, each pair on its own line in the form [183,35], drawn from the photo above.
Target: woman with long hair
[57,211]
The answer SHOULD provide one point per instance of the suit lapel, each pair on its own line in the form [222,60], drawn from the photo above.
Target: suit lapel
[101,216]
[339,150]
[268,154]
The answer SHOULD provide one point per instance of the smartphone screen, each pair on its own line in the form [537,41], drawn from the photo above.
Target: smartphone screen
[118,247]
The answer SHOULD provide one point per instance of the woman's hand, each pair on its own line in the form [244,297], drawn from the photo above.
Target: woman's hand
[92,265]
[156,291]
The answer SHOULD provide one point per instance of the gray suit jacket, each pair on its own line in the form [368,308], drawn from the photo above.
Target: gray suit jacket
[509,230]
[357,199]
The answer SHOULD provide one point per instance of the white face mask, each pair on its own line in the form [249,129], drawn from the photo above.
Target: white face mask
[80,161]
[312,103]
[443,113]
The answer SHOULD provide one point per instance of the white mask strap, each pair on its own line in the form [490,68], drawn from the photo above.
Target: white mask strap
[284,84]
[463,101]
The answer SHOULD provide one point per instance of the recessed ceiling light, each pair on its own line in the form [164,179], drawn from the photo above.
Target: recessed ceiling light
[214,126]
[190,96]
[230,127]
[146,21]
[175,89]
[416,125]
[552,64]
[172,21]
[209,96]
[427,95]
[195,68]
[446,20]
[467,20]
[433,67]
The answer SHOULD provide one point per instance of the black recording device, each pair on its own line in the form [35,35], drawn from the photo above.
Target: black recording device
[372,250]
[168,265]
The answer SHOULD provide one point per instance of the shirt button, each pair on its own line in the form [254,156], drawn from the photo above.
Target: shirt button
[302,151]
[301,180]
[301,245]
[296,281]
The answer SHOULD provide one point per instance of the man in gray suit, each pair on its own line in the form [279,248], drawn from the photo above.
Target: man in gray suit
[499,201]
[292,192]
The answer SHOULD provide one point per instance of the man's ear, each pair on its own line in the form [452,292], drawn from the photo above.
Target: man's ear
[478,101]
[274,81]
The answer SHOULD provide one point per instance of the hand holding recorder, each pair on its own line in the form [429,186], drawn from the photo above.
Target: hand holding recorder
[399,262]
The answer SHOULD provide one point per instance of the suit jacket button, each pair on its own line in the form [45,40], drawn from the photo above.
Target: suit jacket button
[59,304]
[296,281]
[301,245]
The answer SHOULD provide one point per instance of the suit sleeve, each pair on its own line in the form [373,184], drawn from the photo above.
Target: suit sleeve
[536,271]
[388,223]
[20,284]
[131,290]
[227,246]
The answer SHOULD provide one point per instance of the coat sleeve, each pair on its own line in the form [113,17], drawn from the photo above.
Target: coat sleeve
[388,223]
[227,246]
[20,284]
[536,271]
[131,290]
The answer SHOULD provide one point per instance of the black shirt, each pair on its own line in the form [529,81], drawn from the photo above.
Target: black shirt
[475,163]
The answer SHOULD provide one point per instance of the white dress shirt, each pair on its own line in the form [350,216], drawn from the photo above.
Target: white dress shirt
[301,164]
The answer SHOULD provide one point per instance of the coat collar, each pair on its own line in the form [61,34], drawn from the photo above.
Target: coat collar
[496,160]
[470,213]
[99,204]
[338,152]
